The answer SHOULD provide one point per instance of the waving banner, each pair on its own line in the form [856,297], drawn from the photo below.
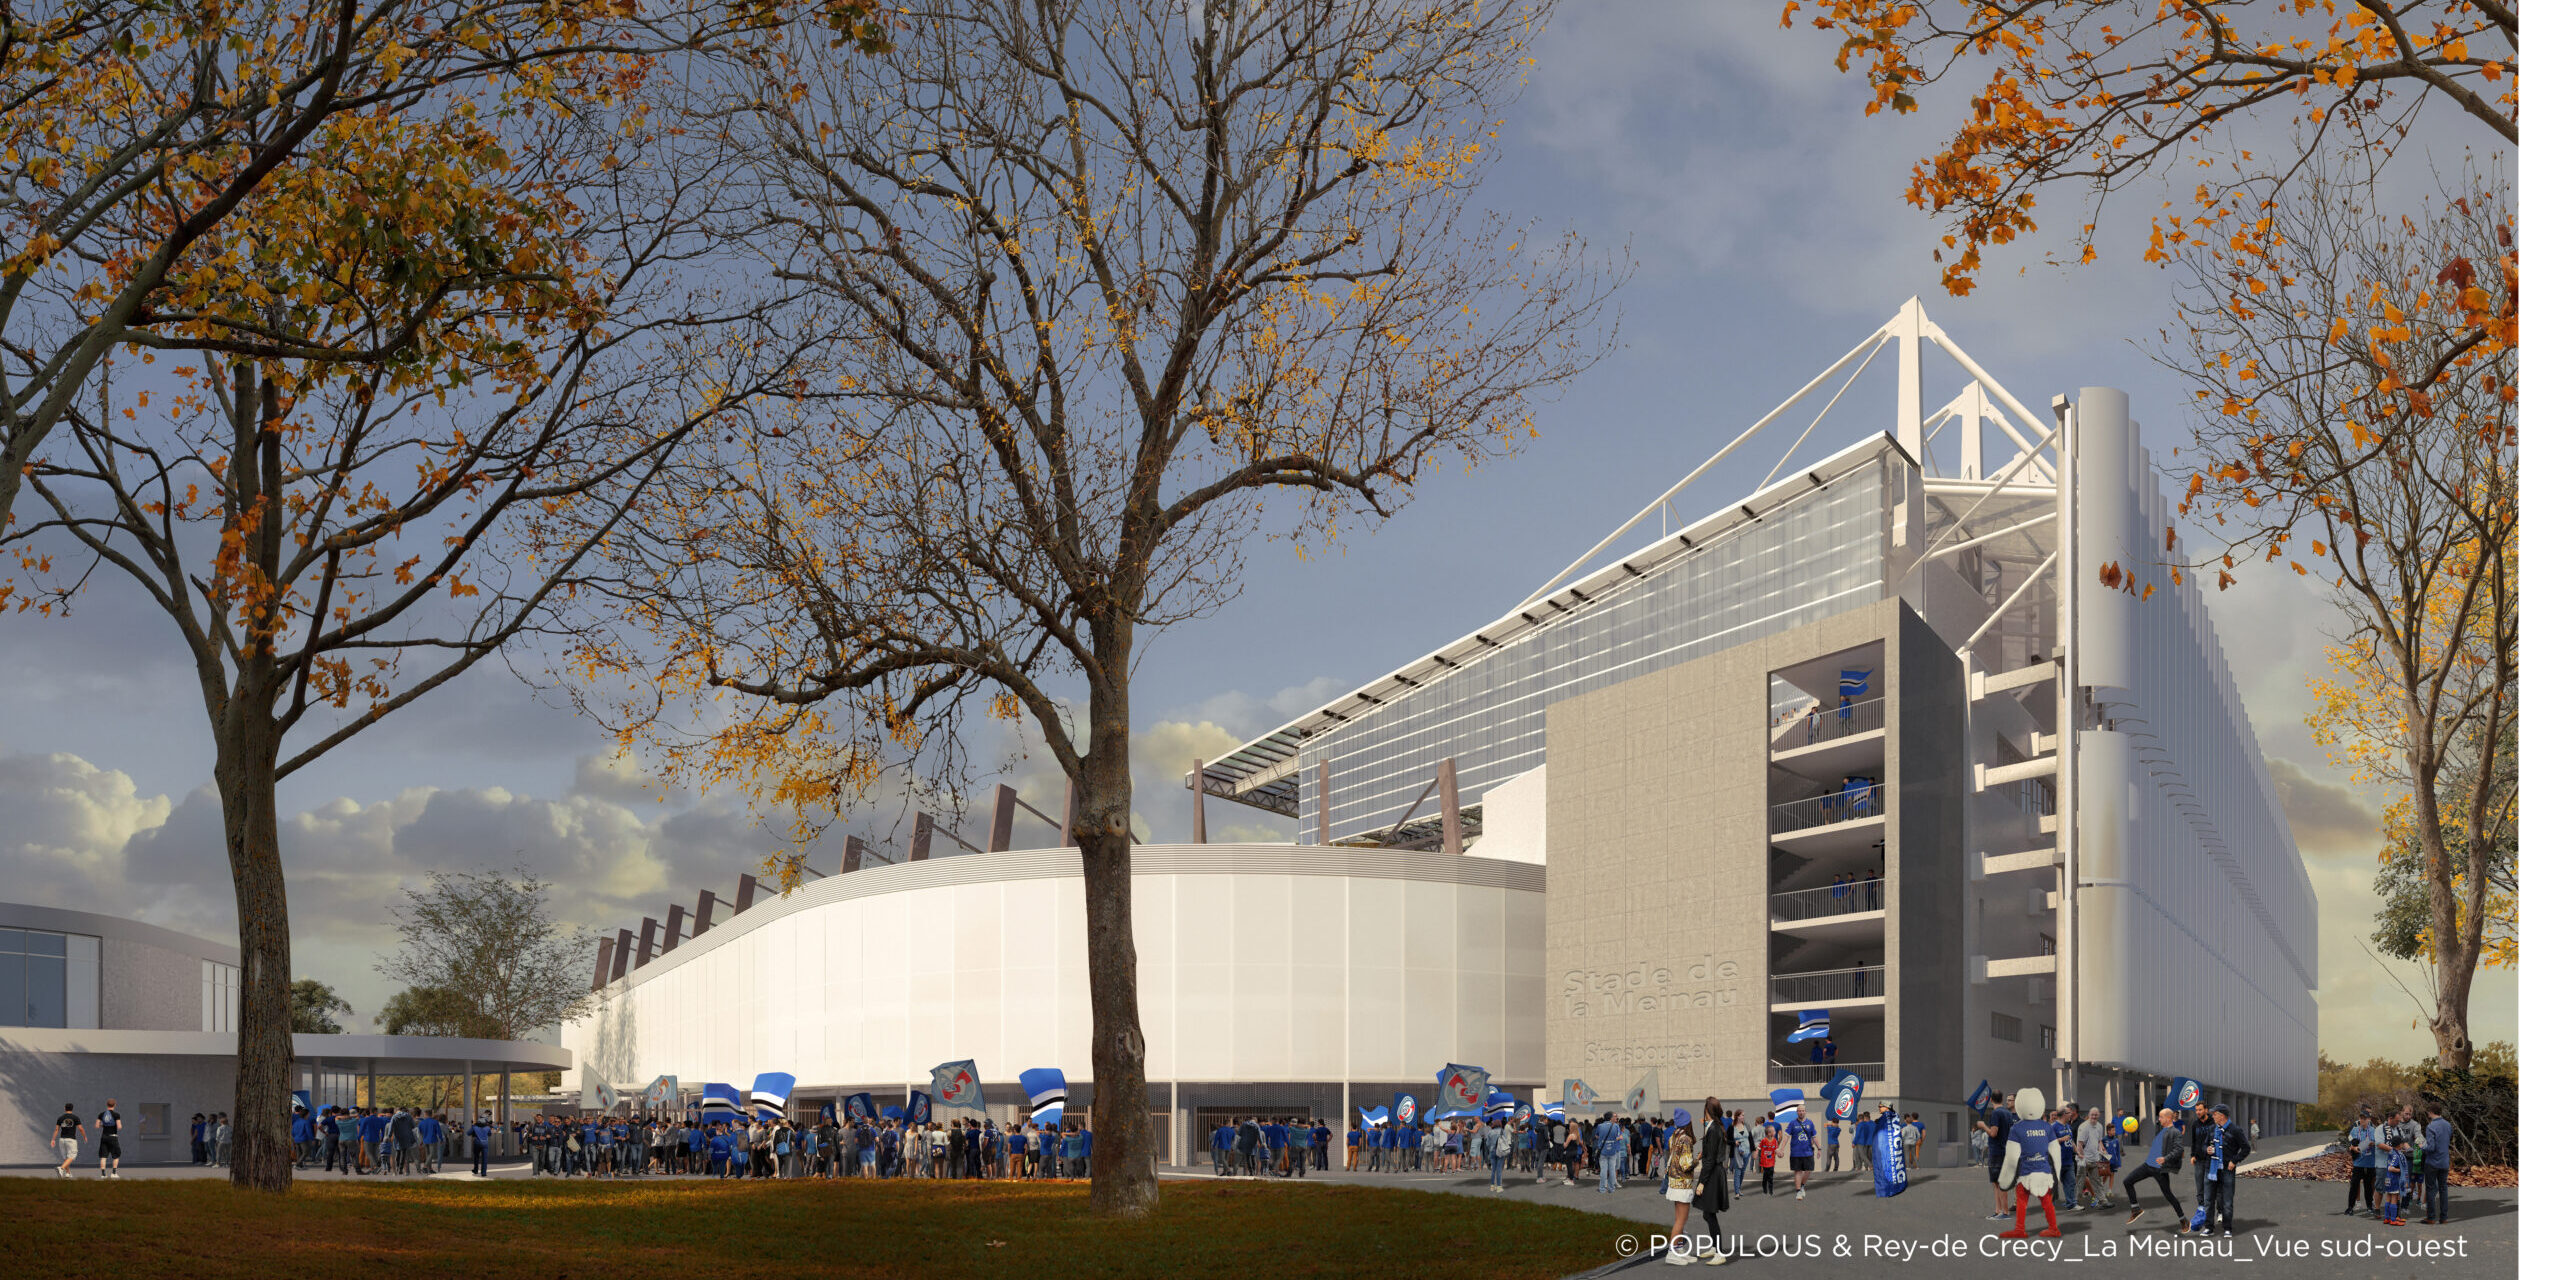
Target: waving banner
[1891,1176]
[302,1101]
[1578,1094]
[1462,1087]
[1981,1099]
[859,1104]
[955,1086]
[1811,1024]
[2184,1094]
[719,1102]
[1784,1104]
[1046,1085]
[919,1106]
[772,1094]
[1372,1118]
[1646,1098]
[1498,1107]
[1407,1110]
[662,1095]
[1841,1095]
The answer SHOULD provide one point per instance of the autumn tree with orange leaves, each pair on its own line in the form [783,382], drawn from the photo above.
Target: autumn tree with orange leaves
[133,133]
[333,539]
[1122,286]
[2357,402]
[2096,97]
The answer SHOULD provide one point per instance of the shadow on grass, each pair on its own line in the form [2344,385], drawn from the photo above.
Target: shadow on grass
[138,1230]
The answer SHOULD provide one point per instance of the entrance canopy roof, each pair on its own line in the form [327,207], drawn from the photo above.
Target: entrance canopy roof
[382,1055]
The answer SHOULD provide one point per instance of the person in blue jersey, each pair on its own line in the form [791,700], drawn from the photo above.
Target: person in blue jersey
[431,1142]
[2031,1162]
[1830,1143]
[1800,1150]
[2066,1122]
[2168,1151]
[369,1132]
[2394,1165]
[2435,1166]
[1611,1139]
[1862,1138]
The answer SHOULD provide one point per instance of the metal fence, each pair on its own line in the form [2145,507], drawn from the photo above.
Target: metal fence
[1796,728]
[1857,982]
[1852,801]
[1828,900]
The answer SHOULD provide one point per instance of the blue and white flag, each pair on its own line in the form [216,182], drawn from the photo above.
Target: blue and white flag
[1579,1094]
[302,1100]
[1552,1111]
[1981,1098]
[1498,1106]
[1407,1110]
[859,1104]
[1050,1116]
[1371,1118]
[1891,1175]
[1047,1087]
[956,1087]
[1785,1103]
[919,1106]
[1811,1024]
[1842,1095]
[610,1096]
[1462,1087]
[719,1102]
[2184,1095]
[772,1094]
[827,1112]
[893,1112]
[1853,684]
[662,1094]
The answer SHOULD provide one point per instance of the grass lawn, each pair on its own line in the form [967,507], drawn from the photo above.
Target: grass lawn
[577,1230]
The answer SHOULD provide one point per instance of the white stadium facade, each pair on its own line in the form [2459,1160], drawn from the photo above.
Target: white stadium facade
[1890,742]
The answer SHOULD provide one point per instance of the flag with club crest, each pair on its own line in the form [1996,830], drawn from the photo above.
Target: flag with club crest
[772,1094]
[1646,1098]
[1408,1110]
[2185,1094]
[1578,1094]
[956,1087]
[1981,1097]
[919,1106]
[662,1095]
[1811,1024]
[1462,1087]
[859,1104]
[1841,1095]
[1891,1173]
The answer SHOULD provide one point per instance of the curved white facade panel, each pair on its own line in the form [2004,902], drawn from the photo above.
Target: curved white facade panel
[1256,963]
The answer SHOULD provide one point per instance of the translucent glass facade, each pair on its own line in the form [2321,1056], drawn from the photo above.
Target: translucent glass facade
[1820,554]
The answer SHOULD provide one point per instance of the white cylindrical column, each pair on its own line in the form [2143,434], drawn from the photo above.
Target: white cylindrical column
[2102,455]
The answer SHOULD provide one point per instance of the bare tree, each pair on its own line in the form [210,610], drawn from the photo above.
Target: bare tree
[2357,378]
[330,547]
[1120,285]
[484,956]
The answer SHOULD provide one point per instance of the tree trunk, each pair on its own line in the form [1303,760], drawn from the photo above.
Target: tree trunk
[262,1099]
[1124,1145]
[2455,940]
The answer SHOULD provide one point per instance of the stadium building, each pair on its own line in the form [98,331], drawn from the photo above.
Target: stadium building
[1919,742]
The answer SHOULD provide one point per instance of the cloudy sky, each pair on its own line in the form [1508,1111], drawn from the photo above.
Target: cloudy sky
[1763,215]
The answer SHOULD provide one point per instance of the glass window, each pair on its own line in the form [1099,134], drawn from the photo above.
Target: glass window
[12,940]
[13,989]
[41,943]
[44,985]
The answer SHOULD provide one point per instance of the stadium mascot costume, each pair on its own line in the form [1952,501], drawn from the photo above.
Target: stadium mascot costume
[2030,1163]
